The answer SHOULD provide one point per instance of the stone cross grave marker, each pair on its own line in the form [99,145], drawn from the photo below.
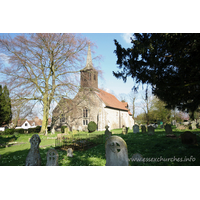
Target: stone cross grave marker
[33,158]
[188,138]
[52,158]
[168,129]
[135,128]
[143,127]
[52,131]
[107,132]
[116,152]
[151,130]
[137,158]
[69,152]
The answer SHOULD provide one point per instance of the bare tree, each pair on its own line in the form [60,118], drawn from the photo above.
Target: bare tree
[43,67]
[132,97]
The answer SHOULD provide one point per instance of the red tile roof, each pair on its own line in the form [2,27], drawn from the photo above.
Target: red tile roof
[111,101]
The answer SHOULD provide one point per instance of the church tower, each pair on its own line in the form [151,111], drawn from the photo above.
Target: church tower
[89,76]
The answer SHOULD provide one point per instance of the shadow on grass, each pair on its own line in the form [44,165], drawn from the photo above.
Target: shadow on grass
[149,146]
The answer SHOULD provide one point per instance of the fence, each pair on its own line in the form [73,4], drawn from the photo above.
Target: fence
[79,141]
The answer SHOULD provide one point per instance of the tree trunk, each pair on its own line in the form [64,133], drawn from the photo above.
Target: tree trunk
[45,115]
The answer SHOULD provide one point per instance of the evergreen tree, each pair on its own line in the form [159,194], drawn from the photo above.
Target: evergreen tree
[5,106]
[170,63]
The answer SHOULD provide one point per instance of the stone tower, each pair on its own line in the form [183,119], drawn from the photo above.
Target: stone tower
[89,76]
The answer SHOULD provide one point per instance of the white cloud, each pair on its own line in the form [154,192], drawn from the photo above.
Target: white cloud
[4,58]
[126,37]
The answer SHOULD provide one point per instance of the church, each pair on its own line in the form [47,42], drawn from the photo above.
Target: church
[91,104]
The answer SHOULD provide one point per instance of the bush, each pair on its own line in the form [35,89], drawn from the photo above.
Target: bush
[63,129]
[9,131]
[32,130]
[92,126]
[37,129]
[21,130]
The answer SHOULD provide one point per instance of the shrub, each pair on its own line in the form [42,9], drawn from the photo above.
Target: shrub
[32,130]
[92,126]
[21,130]
[37,129]
[9,131]
[63,129]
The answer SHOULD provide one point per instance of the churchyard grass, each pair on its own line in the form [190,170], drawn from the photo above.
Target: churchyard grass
[149,146]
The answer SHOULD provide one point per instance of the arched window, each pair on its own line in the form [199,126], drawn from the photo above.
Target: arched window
[85,116]
[85,112]
[94,76]
[89,76]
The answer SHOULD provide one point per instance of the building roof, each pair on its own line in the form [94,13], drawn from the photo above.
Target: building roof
[111,101]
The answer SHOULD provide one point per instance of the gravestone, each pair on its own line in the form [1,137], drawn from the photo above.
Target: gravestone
[168,129]
[66,130]
[59,136]
[69,152]
[33,158]
[52,158]
[151,130]
[173,122]
[74,132]
[135,128]
[127,130]
[52,131]
[137,158]
[143,127]
[124,130]
[116,152]
[193,124]
[107,132]
[188,138]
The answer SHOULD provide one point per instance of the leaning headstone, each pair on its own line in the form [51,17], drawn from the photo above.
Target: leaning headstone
[52,131]
[168,129]
[124,130]
[137,158]
[135,128]
[107,132]
[69,152]
[33,158]
[52,158]
[188,138]
[143,127]
[150,130]
[116,152]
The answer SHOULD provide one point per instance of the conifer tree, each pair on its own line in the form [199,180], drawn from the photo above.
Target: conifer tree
[5,106]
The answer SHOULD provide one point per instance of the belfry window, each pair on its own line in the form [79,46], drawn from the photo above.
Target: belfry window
[62,118]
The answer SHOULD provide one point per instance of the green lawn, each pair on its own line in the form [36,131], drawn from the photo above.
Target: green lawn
[149,146]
